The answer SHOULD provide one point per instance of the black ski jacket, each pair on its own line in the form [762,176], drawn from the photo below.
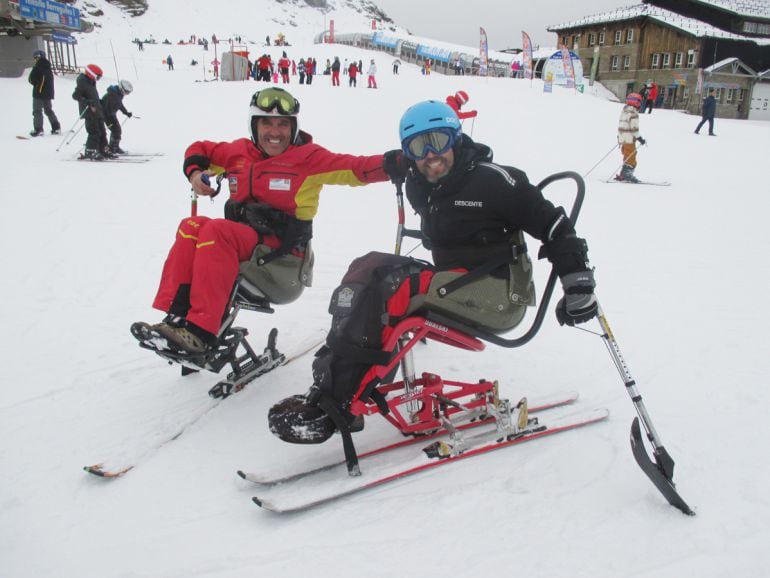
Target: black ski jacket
[41,79]
[472,215]
[112,102]
[86,94]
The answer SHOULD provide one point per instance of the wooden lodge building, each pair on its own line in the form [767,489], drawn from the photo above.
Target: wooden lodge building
[685,47]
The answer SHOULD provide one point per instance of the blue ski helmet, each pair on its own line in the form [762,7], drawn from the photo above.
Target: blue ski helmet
[38,54]
[427,116]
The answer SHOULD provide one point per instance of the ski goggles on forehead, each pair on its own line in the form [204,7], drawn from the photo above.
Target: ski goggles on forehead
[275,98]
[436,141]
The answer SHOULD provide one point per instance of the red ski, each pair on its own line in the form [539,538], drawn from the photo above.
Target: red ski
[381,467]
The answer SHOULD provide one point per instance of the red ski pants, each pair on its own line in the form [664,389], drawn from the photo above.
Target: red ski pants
[206,255]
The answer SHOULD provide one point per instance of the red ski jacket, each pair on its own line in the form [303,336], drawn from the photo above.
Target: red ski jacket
[291,181]
[452,102]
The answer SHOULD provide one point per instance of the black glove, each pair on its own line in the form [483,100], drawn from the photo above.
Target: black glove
[395,166]
[129,114]
[641,141]
[579,302]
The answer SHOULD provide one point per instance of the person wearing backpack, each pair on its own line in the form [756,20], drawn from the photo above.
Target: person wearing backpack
[473,214]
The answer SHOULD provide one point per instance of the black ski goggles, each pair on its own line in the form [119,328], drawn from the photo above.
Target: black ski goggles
[437,141]
[271,99]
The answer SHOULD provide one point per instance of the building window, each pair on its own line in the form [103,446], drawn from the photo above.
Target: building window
[629,36]
[576,40]
[614,63]
[718,94]
[740,94]
[618,37]
[591,39]
[655,61]
[690,59]
[678,60]
[756,28]
[667,60]
[730,95]
[686,93]
[601,38]
[626,62]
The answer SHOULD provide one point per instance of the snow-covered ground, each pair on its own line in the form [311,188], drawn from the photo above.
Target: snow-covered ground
[682,274]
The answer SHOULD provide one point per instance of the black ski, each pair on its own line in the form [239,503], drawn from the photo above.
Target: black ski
[660,472]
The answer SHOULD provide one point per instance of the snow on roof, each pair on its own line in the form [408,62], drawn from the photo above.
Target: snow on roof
[734,62]
[752,8]
[691,26]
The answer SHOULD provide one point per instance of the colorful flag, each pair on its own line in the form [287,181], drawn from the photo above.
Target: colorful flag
[483,53]
[526,45]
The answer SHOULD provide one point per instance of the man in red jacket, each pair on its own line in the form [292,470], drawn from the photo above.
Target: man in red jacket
[275,180]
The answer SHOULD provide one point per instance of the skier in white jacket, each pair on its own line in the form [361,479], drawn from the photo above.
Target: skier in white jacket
[628,135]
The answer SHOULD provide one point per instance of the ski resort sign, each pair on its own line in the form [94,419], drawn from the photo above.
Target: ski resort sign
[50,12]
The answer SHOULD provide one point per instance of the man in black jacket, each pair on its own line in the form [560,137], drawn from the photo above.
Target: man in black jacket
[41,79]
[708,113]
[473,214]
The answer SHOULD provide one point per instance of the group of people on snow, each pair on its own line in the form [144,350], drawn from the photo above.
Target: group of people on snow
[266,70]
[276,176]
[98,114]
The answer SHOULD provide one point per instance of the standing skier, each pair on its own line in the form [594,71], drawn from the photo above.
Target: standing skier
[275,182]
[90,108]
[628,135]
[473,212]
[112,102]
[371,75]
[709,110]
[41,79]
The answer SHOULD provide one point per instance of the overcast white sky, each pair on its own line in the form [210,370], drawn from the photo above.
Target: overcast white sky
[459,20]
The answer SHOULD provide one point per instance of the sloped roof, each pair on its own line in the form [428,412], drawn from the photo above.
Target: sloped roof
[733,63]
[690,26]
[750,8]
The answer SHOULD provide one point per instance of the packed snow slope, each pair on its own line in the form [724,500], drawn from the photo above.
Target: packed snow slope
[682,274]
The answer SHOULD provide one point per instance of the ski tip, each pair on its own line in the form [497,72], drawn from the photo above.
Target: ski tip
[99,471]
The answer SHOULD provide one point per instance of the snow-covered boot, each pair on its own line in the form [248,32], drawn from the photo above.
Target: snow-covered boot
[299,419]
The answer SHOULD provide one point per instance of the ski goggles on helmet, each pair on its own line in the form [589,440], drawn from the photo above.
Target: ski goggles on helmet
[437,141]
[271,99]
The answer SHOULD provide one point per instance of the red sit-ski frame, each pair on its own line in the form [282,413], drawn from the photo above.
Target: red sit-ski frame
[429,396]
[427,402]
